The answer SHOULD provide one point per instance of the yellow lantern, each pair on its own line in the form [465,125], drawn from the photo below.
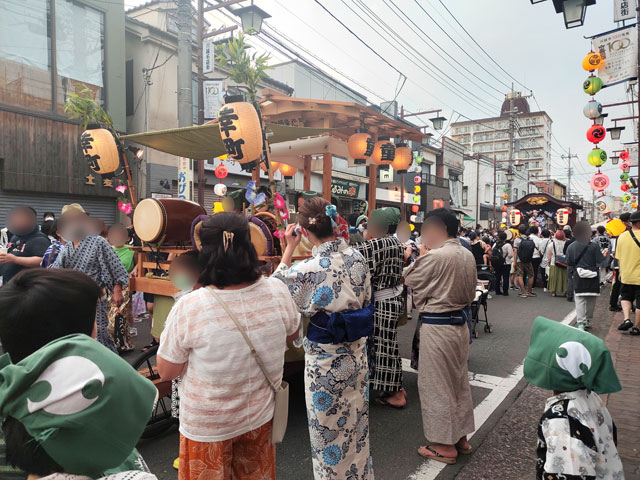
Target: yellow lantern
[360,147]
[275,166]
[100,150]
[505,196]
[240,131]
[287,170]
[412,227]
[218,207]
[562,216]
[634,205]
[514,217]
[403,158]
[417,189]
[592,61]
[383,152]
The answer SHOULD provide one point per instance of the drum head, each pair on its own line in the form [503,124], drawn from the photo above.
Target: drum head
[149,220]
[260,237]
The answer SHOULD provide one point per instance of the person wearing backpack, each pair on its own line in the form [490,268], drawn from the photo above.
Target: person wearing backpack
[501,260]
[523,248]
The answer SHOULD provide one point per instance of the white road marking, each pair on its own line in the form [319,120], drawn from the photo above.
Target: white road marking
[500,388]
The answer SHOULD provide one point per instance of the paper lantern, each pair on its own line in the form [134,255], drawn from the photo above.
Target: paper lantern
[634,205]
[218,207]
[416,199]
[403,159]
[625,187]
[604,204]
[505,189]
[417,179]
[287,171]
[220,189]
[592,61]
[592,85]
[624,155]
[626,198]
[419,159]
[221,172]
[562,216]
[383,152]
[505,196]
[240,131]
[275,166]
[599,182]
[624,177]
[596,133]
[514,217]
[417,189]
[415,208]
[360,146]
[412,227]
[592,110]
[503,225]
[597,157]
[625,166]
[100,150]
[504,208]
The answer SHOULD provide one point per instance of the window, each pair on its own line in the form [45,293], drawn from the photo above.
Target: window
[465,196]
[27,52]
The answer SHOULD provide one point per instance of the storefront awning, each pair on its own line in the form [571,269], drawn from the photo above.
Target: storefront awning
[202,142]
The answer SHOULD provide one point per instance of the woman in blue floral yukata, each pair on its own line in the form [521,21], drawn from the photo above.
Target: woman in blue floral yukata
[333,289]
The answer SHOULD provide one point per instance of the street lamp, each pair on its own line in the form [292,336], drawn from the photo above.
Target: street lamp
[573,11]
[437,122]
[533,2]
[614,160]
[509,175]
[615,132]
[251,17]
[600,120]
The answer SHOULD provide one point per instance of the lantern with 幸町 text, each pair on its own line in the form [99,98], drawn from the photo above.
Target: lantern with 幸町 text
[624,177]
[287,171]
[592,85]
[592,109]
[514,217]
[626,198]
[221,172]
[383,152]
[403,159]
[415,208]
[597,157]
[562,216]
[624,155]
[220,189]
[592,61]
[596,133]
[360,146]
[625,187]
[100,150]
[240,131]
[599,182]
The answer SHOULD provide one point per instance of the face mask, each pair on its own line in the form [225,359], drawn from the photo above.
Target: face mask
[49,219]
[182,282]
[361,227]
[75,233]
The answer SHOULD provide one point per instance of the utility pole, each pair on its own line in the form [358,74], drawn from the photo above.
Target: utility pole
[638,94]
[477,188]
[185,99]
[495,165]
[202,179]
[569,171]
[512,126]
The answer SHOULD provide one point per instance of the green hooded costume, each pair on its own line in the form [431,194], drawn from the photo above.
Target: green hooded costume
[564,359]
[385,216]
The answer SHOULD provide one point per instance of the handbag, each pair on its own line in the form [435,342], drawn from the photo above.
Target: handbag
[281,410]
[561,260]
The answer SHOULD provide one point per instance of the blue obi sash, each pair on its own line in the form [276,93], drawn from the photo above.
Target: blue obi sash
[339,327]
[457,317]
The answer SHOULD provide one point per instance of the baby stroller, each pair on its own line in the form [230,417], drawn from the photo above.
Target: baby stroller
[486,276]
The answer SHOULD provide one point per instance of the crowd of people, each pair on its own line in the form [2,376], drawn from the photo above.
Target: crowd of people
[223,337]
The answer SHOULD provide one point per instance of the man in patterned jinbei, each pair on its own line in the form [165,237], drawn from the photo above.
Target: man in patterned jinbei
[385,257]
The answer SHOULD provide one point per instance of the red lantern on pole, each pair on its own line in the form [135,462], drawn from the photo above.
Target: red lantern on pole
[415,208]
[623,155]
[221,171]
[625,187]
[596,133]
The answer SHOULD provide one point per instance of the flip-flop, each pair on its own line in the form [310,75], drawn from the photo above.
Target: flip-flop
[436,457]
[634,331]
[465,451]
[385,403]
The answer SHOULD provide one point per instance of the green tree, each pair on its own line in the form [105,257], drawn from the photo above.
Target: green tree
[82,106]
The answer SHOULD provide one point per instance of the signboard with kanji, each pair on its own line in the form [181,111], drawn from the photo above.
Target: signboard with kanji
[624,10]
[213,100]
[344,188]
[619,49]
[185,179]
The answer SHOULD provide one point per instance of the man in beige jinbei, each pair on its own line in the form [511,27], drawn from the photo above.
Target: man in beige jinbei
[443,282]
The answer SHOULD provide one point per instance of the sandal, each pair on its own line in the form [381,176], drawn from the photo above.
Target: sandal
[626,325]
[634,331]
[150,346]
[435,456]
[383,402]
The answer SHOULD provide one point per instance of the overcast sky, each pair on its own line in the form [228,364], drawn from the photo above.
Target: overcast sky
[528,41]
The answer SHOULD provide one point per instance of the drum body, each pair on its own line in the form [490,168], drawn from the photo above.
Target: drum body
[165,221]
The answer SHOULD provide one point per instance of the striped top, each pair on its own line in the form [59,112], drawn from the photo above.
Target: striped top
[223,392]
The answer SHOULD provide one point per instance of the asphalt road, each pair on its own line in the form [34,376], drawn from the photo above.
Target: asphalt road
[396,434]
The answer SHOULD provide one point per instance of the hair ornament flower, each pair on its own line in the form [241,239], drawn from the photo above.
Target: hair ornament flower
[332,213]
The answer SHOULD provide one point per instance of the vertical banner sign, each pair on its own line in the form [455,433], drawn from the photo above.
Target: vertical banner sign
[212,98]
[624,10]
[185,179]
[208,56]
[619,49]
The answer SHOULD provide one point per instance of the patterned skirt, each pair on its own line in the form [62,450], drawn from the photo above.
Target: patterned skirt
[120,319]
[102,324]
[385,361]
[337,397]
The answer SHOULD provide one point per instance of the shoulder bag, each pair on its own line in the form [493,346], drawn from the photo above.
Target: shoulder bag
[281,410]
[634,238]
[561,260]
[584,272]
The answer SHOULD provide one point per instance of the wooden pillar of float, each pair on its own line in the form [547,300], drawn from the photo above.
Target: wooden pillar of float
[327,167]
[306,184]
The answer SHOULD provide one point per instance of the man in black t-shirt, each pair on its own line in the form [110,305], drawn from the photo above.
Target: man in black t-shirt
[26,247]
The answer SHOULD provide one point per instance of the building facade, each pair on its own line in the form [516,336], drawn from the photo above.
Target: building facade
[50,49]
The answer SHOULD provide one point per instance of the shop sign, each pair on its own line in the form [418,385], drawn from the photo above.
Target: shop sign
[212,98]
[619,50]
[208,56]
[624,10]
[185,179]
[290,122]
[344,188]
